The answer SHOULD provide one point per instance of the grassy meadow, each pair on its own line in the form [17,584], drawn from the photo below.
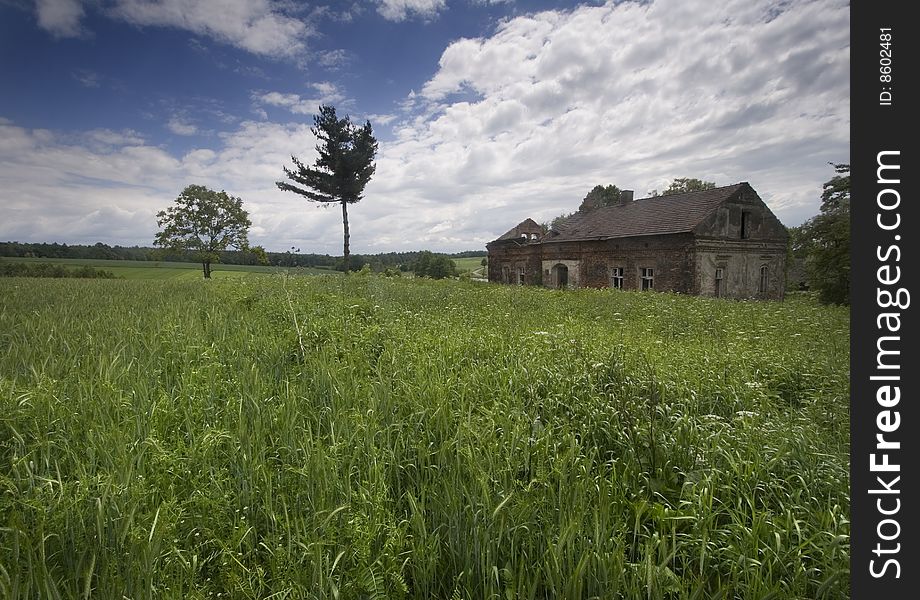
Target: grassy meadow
[363,437]
[470,264]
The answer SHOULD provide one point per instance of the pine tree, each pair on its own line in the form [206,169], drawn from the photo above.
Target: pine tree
[342,169]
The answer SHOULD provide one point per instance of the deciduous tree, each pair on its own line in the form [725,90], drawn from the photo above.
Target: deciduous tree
[600,196]
[826,239]
[341,171]
[205,223]
[435,266]
[686,184]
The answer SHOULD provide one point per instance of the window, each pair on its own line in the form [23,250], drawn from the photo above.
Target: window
[719,275]
[520,280]
[648,278]
[616,278]
[745,217]
[764,276]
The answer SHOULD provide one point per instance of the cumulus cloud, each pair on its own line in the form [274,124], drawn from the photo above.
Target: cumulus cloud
[181,126]
[262,27]
[259,26]
[341,12]
[106,185]
[61,18]
[400,10]
[54,184]
[325,93]
[526,121]
[520,123]
[333,59]
[106,139]
[376,119]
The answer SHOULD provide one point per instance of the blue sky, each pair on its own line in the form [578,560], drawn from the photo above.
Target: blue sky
[487,112]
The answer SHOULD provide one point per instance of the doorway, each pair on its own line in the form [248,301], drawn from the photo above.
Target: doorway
[561,276]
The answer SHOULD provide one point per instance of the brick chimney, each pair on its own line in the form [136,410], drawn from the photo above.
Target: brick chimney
[626,196]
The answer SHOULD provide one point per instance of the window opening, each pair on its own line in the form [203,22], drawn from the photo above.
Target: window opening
[616,278]
[648,278]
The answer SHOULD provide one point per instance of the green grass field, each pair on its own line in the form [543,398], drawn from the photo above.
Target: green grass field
[139,269]
[469,264]
[364,437]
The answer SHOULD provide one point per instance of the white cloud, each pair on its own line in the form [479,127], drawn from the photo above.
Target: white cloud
[333,59]
[60,17]
[400,10]
[107,186]
[340,12]
[526,121]
[381,119]
[326,93]
[106,139]
[520,123]
[258,26]
[263,27]
[181,126]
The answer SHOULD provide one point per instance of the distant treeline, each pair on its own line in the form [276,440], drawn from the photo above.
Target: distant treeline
[378,262]
[29,269]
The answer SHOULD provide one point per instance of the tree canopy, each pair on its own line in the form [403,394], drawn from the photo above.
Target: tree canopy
[824,241]
[203,222]
[600,196]
[342,168]
[685,184]
[435,266]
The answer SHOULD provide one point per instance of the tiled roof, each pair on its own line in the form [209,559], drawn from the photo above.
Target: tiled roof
[675,213]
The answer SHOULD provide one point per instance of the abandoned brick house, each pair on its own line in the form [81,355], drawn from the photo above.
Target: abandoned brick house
[722,242]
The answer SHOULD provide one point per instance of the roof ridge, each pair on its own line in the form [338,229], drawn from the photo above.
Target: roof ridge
[714,189]
[653,215]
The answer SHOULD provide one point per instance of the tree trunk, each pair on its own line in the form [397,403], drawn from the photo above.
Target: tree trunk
[207,269]
[345,225]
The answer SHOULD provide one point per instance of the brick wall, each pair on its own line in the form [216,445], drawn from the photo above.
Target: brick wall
[678,263]
[507,258]
[669,258]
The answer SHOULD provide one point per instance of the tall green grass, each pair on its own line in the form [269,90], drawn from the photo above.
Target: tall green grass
[365,437]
